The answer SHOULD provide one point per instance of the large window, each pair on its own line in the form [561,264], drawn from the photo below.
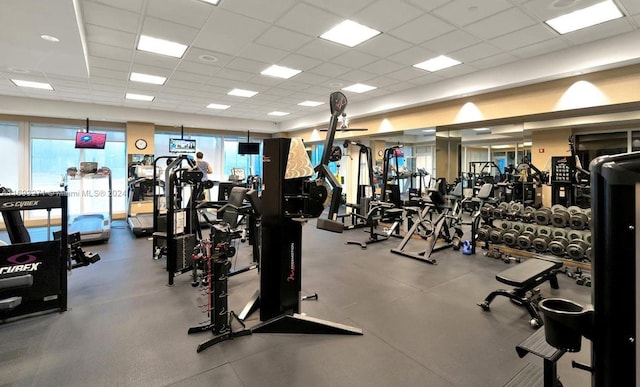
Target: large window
[590,146]
[10,146]
[53,152]
[252,164]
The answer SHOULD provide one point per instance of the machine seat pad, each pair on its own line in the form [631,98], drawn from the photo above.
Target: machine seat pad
[527,272]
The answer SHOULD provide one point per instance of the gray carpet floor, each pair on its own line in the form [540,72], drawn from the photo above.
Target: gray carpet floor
[421,324]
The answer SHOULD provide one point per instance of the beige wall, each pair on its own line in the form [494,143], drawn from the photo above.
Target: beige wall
[140,130]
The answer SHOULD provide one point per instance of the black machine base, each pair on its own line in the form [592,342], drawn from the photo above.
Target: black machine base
[298,323]
[228,335]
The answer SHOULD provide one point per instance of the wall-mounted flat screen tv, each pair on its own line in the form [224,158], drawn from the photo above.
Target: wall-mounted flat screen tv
[178,145]
[248,148]
[91,140]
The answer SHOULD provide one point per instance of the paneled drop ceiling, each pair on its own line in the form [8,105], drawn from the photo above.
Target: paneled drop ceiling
[501,44]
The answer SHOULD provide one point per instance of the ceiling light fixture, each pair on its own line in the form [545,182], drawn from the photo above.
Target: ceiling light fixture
[359,88]
[242,93]
[139,97]
[482,129]
[213,2]
[437,63]
[146,78]
[585,17]
[278,114]
[428,130]
[349,33]
[280,72]
[161,46]
[50,38]
[218,106]
[310,103]
[32,85]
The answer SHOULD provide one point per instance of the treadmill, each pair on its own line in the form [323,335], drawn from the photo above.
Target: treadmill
[140,197]
[90,202]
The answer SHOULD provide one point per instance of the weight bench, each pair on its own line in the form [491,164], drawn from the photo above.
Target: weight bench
[531,375]
[525,277]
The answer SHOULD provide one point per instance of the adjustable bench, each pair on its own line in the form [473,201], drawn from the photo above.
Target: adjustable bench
[525,277]
[531,375]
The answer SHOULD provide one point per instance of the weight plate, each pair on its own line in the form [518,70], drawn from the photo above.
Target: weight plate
[558,233]
[557,207]
[531,228]
[574,234]
[544,230]
[574,210]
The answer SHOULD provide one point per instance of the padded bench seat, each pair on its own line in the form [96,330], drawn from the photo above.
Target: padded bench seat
[525,277]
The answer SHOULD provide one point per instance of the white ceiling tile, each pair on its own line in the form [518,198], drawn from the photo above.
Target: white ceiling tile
[426,79]
[449,42]
[456,71]
[413,55]
[299,62]
[500,24]
[493,61]
[400,86]
[228,73]
[341,7]
[540,48]
[110,37]
[150,59]
[107,85]
[323,49]
[186,12]
[130,5]
[475,52]
[228,32]
[354,59]
[188,77]
[292,85]
[198,68]
[382,66]
[406,74]
[108,63]
[600,31]
[421,29]
[173,84]
[111,52]
[358,76]
[311,79]
[165,29]
[524,37]
[262,53]
[384,82]
[266,81]
[267,11]
[107,73]
[631,6]
[385,15]
[279,92]
[329,69]
[548,9]
[110,17]
[193,54]
[383,46]
[428,5]
[283,39]
[464,12]
[248,65]
[309,20]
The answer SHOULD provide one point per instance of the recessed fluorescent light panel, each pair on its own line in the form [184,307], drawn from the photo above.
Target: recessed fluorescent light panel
[214,2]
[218,106]
[161,46]
[33,85]
[482,129]
[586,17]
[310,103]
[146,78]
[139,97]
[437,63]
[428,130]
[278,114]
[359,88]
[242,93]
[349,33]
[280,72]
[50,38]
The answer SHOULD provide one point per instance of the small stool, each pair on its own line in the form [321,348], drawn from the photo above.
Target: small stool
[525,277]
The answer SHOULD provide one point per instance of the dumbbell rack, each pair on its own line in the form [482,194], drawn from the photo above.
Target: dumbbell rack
[510,223]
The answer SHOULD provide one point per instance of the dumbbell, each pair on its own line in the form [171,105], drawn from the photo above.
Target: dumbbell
[558,246]
[525,240]
[560,218]
[557,207]
[528,215]
[587,253]
[503,224]
[576,249]
[541,242]
[544,230]
[587,237]
[495,235]
[574,234]
[532,228]
[574,210]
[558,233]
[499,212]
[510,237]
[543,216]
[483,232]
[486,211]
[517,226]
[579,221]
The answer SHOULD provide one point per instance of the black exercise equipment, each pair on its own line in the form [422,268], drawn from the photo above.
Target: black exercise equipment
[46,262]
[11,284]
[380,212]
[365,192]
[531,375]
[525,277]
